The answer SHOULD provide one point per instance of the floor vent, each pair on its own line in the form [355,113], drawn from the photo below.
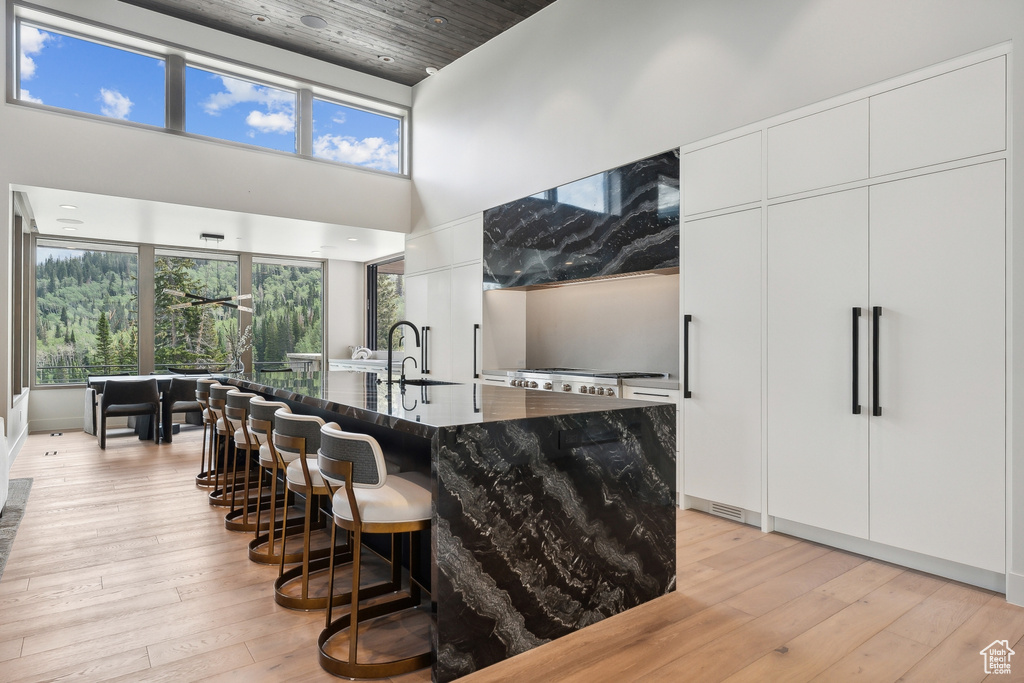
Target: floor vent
[49,453]
[727,511]
[56,433]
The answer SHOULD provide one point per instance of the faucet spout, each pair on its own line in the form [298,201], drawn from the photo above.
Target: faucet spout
[391,345]
[401,380]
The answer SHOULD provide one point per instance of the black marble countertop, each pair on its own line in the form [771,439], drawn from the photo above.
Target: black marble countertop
[420,410]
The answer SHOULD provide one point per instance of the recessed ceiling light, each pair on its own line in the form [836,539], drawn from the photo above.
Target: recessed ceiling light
[353,239]
[438,21]
[315,251]
[431,70]
[69,221]
[313,21]
[70,228]
[261,19]
[385,59]
[568,263]
[68,206]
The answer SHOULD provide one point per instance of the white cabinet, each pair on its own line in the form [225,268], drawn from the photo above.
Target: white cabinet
[721,282]
[923,468]
[938,448]
[428,251]
[817,443]
[820,150]
[466,316]
[722,175]
[467,239]
[953,116]
[428,305]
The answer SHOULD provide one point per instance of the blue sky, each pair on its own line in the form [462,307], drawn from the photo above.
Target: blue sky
[71,73]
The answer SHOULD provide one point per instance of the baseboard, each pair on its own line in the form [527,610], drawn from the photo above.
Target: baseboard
[14,447]
[983,578]
[67,424]
[1015,588]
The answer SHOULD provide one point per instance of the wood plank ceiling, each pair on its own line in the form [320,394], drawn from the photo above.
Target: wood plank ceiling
[361,34]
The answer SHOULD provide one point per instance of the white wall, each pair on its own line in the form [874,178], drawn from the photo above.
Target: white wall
[587,85]
[629,324]
[346,312]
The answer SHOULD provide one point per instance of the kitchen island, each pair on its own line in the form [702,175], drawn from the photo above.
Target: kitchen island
[551,511]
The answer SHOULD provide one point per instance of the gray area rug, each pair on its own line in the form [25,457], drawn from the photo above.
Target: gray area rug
[14,510]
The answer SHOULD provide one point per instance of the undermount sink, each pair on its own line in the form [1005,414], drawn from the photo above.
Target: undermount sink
[425,382]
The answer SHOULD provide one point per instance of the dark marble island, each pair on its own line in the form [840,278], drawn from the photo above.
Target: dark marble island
[551,511]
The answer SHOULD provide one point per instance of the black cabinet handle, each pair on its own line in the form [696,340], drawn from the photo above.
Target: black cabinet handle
[856,359]
[424,354]
[476,328]
[876,312]
[686,355]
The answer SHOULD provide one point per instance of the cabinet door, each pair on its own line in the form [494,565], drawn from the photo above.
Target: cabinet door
[953,116]
[722,175]
[817,443]
[428,304]
[938,448]
[722,417]
[467,313]
[428,251]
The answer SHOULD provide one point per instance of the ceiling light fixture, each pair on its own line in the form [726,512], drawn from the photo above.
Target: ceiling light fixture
[261,19]
[68,206]
[69,221]
[438,21]
[431,70]
[70,228]
[313,21]
[211,236]
[353,239]
[385,59]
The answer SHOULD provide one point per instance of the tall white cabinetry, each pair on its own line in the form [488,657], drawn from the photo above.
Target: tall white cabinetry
[883,325]
[721,318]
[444,289]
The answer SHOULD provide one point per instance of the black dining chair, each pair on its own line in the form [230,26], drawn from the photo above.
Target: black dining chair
[123,398]
[180,397]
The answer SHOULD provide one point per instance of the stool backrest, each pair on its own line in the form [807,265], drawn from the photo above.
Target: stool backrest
[203,388]
[306,427]
[338,446]
[261,415]
[239,399]
[128,391]
[218,393]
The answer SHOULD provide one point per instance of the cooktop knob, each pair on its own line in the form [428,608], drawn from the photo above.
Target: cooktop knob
[566,387]
[547,385]
[610,392]
[592,390]
[583,390]
[600,391]
[533,385]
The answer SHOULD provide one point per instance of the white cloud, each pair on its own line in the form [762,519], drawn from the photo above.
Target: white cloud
[32,43]
[369,152]
[338,118]
[25,96]
[277,122]
[115,104]
[237,92]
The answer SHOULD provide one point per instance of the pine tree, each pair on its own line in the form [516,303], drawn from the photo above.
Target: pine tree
[104,345]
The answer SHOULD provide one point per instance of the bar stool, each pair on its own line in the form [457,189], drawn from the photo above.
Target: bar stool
[236,413]
[223,447]
[299,435]
[371,501]
[206,477]
[263,548]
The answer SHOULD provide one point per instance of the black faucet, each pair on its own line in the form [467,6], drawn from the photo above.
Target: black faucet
[391,345]
[401,380]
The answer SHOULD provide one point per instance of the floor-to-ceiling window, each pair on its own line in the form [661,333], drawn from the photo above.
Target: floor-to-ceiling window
[385,293]
[189,330]
[86,311]
[287,313]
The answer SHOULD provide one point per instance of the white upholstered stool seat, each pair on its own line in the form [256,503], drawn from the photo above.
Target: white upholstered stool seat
[297,479]
[404,497]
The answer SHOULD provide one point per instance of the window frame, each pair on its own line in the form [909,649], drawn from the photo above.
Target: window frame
[176,58]
[324,306]
[16,88]
[372,272]
[83,244]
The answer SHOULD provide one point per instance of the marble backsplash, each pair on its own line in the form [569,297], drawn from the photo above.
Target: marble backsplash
[625,220]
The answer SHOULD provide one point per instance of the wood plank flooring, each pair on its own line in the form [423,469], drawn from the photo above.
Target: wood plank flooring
[122,571]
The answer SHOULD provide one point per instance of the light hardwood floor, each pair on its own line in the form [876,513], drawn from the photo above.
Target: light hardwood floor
[121,570]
